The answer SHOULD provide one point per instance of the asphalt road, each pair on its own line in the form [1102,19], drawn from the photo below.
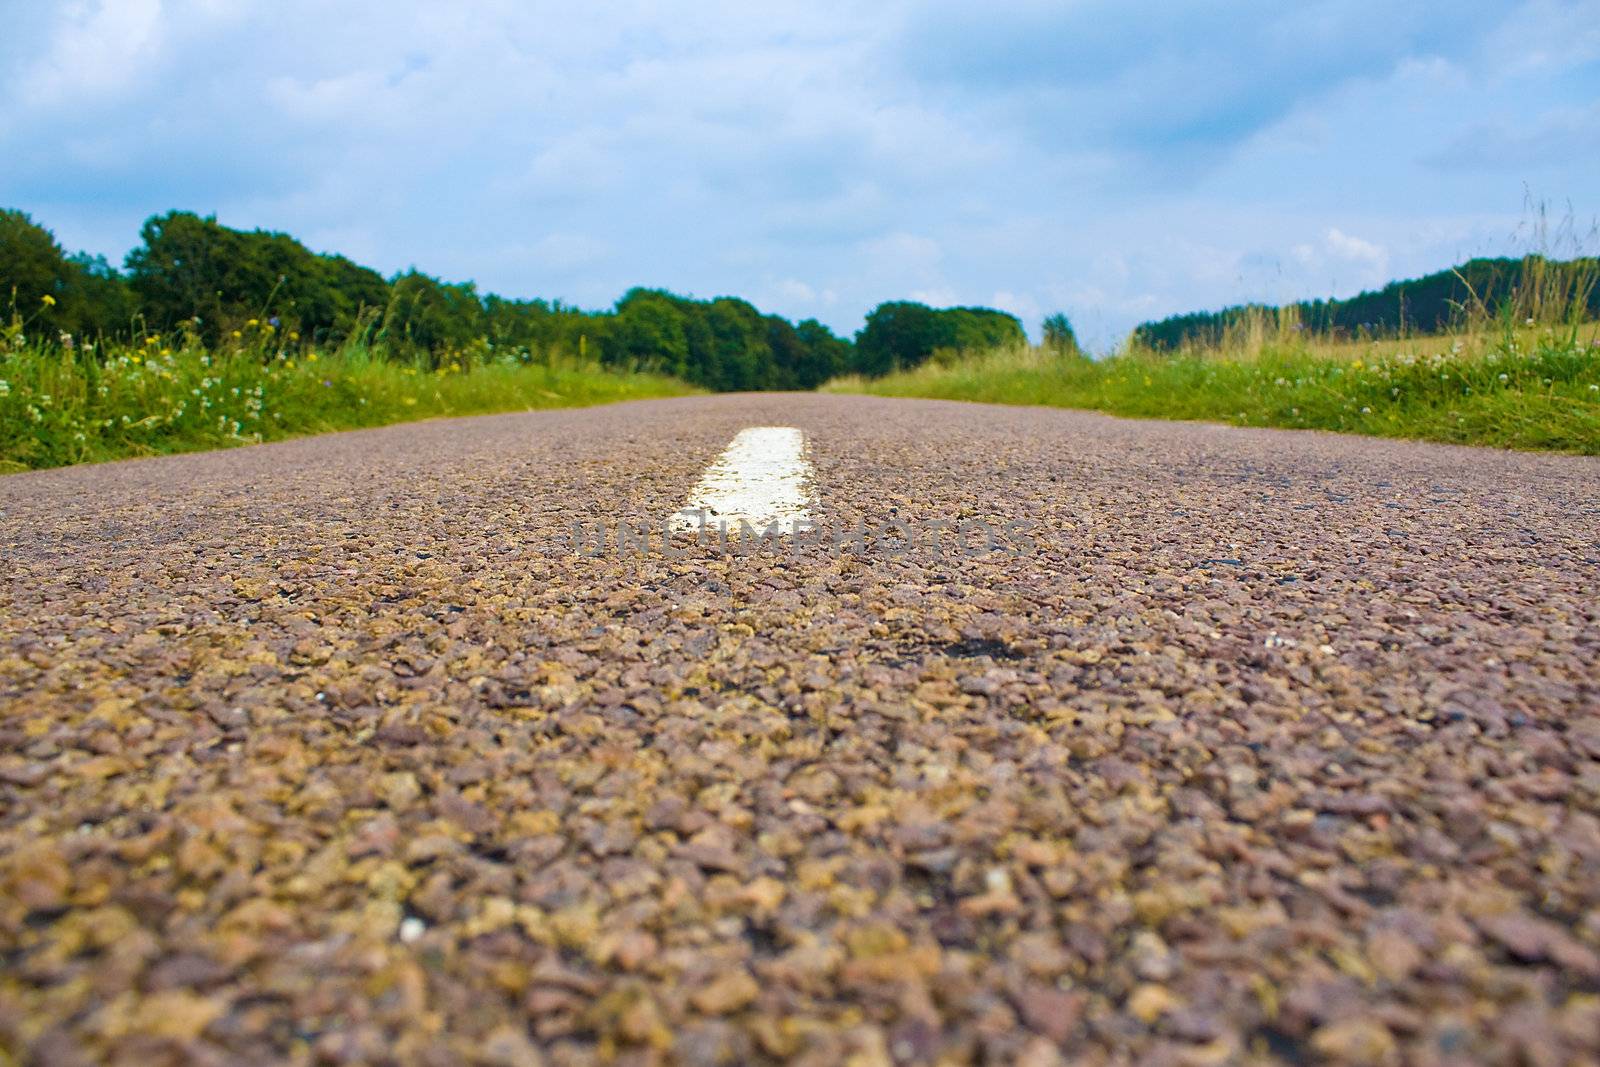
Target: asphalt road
[1259,746]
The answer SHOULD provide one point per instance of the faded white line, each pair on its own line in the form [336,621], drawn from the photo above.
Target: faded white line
[762,477]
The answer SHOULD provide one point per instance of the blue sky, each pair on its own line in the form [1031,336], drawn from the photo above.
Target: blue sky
[1114,161]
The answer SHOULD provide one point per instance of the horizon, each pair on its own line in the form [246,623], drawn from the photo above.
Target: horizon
[819,164]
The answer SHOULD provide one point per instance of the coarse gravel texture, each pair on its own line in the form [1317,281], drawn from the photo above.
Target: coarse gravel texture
[1272,747]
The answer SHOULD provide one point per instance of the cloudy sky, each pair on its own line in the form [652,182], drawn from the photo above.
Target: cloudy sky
[1115,161]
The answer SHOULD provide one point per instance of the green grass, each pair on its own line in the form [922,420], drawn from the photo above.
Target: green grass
[1523,391]
[75,405]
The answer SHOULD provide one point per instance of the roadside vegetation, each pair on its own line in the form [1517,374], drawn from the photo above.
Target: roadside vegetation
[1555,283]
[1531,388]
[194,276]
[1497,352]
[1535,286]
[208,336]
[81,402]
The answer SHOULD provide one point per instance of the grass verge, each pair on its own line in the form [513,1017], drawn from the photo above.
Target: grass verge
[61,405]
[1526,389]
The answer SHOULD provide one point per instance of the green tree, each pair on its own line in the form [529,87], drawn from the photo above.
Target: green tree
[903,334]
[975,329]
[827,354]
[190,268]
[36,275]
[648,334]
[1482,288]
[789,357]
[429,316]
[741,345]
[896,335]
[87,297]
[346,291]
[107,307]
[1059,335]
[193,272]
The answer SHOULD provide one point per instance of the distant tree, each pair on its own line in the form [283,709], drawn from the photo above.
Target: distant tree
[648,334]
[1059,336]
[538,328]
[974,329]
[86,295]
[347,290]
[107,306]
[36,274]
[191,268]
[790,362]
[704,361]
[1430,304]
[429,316]
[722,344]
[740,337]
[897,334]
[827,355]
[191,271]
[904,334]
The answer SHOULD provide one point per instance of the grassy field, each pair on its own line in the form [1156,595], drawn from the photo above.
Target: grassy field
[61,405]
[1527,388]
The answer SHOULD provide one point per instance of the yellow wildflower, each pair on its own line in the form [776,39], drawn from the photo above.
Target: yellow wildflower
[253,323]
[135,358]
[294,335]
[237,335]
[152,340]
[47,300]
[1358,364]
[311,357]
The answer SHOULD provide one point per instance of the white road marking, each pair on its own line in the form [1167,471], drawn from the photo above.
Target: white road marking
[762,477]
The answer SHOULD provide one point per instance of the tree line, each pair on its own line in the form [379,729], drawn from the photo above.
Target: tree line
[190,273]
[1476,291]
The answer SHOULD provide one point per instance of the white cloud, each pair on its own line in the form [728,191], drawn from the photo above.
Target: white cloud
[795,291]
[1355,250]
[906,250]
[95,50]
[1022,305]
[807,154]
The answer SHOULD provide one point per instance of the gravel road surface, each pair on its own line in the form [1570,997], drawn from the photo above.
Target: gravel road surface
[1265,747]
